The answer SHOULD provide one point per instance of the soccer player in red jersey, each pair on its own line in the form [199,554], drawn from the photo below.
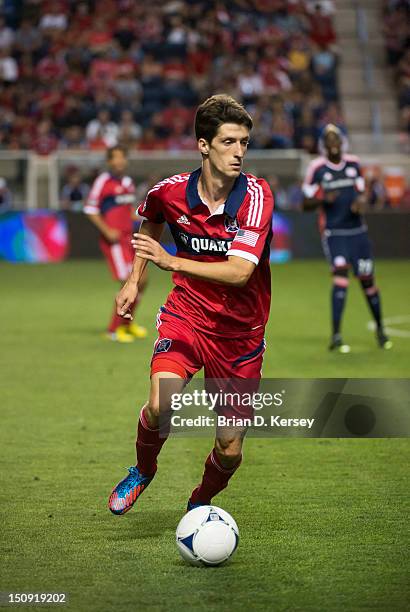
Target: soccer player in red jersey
[110,206]
[215,316]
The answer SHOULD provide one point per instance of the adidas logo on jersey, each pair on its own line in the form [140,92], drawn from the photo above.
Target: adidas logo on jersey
[184,220]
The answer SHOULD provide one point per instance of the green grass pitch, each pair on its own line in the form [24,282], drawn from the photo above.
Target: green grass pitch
[323,522]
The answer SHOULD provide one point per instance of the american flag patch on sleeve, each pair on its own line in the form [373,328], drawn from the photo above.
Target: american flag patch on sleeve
[247,237]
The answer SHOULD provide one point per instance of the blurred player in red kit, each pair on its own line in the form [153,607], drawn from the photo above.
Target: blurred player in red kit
[110,206]
[215,316]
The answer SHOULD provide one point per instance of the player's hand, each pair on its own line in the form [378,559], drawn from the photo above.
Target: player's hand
[148,248]
[359,205]
[112,235]
[125,298]
[330,196]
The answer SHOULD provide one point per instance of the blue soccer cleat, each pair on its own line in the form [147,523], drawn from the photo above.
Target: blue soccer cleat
[126,493]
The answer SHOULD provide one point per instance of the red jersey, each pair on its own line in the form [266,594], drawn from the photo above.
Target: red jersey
[241,227]
[113,198]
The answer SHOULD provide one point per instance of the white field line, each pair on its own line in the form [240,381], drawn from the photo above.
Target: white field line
[392,331]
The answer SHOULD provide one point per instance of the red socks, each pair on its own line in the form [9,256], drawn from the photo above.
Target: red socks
[116,320]
[149,444]
[214,480]
[132,308]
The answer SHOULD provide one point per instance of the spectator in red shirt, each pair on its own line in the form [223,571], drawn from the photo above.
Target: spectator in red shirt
[179,140]
[103,69]
[45,141]
[100,37]
[51,68]
[199,60]
[175,111]
[82,19]
[76,83]
[51,102]
[150,141]
[321,28]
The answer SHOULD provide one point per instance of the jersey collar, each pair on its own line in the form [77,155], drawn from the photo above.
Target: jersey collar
[338,166]
[234,200]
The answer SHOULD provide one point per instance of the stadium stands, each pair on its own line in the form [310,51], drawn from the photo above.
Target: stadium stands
[85,74]
[396,29]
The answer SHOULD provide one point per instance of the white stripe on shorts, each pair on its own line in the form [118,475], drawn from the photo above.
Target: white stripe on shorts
[121,267]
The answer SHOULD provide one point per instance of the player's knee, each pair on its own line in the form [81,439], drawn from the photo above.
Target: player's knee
[164,388]
[157,405]
[229,451]
[366,281]
[368,284]
[341,277]
[151,412]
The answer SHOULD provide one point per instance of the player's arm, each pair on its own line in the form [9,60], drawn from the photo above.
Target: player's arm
[93,211]
[313,203]
[151,227]
[129,291]
[360,203]
[320,198]
[235,272]
[153,231]
[111,234]
[313,195]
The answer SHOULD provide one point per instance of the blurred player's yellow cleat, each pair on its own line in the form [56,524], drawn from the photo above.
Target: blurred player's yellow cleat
[337,345]
[137,331]
[121,334]
[383,341]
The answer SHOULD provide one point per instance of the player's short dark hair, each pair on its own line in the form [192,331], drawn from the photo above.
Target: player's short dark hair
[111,151]
[217,110]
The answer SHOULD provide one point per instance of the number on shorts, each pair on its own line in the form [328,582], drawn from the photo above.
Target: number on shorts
[365,267]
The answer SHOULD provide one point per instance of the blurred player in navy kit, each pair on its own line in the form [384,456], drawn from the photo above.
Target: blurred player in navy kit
[334,184]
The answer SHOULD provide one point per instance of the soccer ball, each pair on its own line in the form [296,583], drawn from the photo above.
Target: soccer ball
[207,535]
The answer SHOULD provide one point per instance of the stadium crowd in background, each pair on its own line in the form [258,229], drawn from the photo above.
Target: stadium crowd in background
[396,28]
[88,74]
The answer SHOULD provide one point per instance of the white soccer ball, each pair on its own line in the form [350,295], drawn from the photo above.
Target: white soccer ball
[207,535]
